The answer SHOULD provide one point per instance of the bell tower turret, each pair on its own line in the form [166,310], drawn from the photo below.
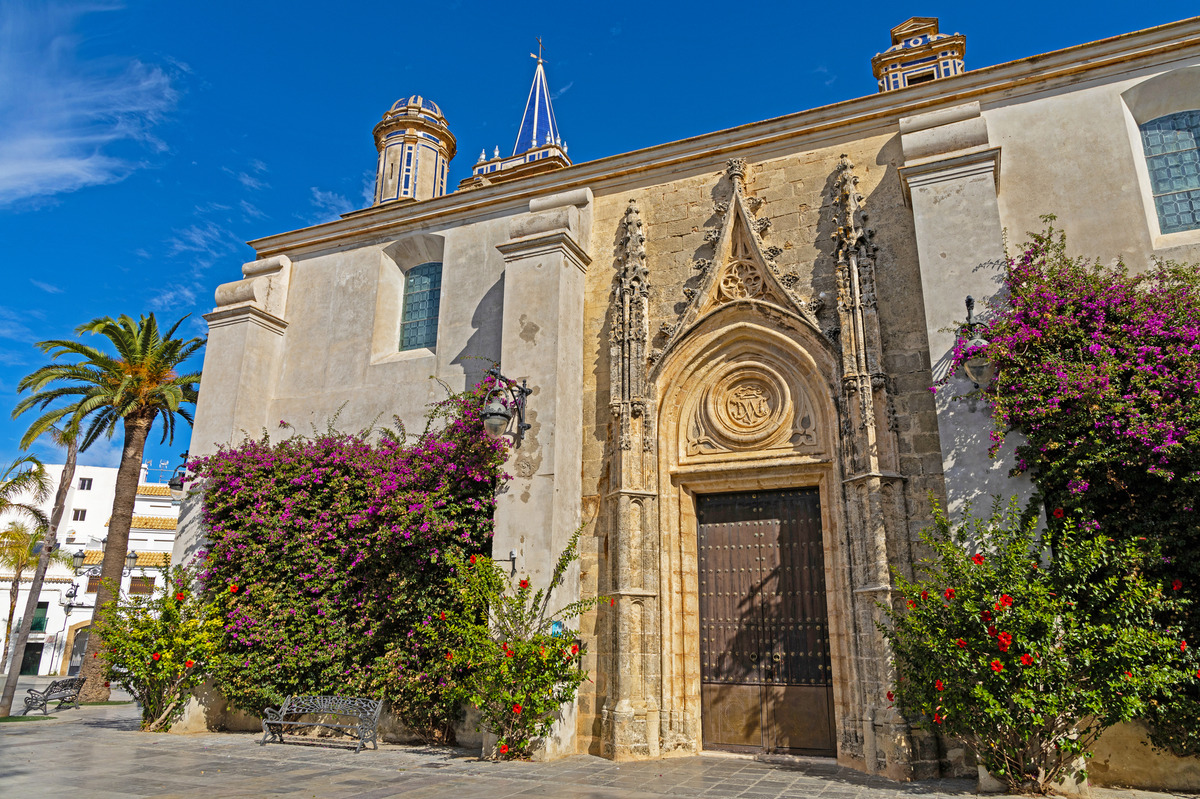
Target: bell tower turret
[415,147]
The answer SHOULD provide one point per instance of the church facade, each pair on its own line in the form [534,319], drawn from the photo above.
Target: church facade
[730,342]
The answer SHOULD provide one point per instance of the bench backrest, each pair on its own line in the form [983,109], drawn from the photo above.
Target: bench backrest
[68,686]
[361,707]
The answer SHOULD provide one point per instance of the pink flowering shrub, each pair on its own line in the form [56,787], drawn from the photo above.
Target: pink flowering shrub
[1098,371]
[1028,663]
[330,556]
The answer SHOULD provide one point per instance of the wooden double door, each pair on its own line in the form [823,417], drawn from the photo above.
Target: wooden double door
[766,683]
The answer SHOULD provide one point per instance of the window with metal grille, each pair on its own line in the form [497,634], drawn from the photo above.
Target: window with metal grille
[93,585]
[1172,146]
[422,295]
[78,515]
[85,484]
[141,585]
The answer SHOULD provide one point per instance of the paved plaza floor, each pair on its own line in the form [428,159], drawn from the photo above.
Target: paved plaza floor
[98,753]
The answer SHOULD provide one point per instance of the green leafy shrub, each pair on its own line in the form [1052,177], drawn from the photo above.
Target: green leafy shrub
[328,556]
[512,666]
[159,646]
[1028,663]
[1098,372]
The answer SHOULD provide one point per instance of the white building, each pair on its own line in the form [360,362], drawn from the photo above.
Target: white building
[60,625]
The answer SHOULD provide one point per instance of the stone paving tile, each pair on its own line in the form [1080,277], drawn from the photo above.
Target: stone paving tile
[104,744]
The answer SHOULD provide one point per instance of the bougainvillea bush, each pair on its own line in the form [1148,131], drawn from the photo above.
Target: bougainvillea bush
[159,646]
[1026,662]
[513,666]
[1098,371]
[328,555]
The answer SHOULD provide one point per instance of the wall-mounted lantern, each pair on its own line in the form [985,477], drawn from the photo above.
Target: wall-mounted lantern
[176,483]
[500,403]
[978,368]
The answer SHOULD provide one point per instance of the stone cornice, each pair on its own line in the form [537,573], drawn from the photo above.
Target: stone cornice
[981,162]
[557,243]
[223,317]
[1000,82]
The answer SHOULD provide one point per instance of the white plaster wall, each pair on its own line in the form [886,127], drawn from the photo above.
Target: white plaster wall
[1075,152]
[341,347]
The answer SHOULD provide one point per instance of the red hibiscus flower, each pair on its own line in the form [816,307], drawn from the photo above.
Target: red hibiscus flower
[473,563]
[911,604]
[997,666]
[155,656]
[1183,646]
[524,583]
[612,602]
[1175,586]
[949,593]
[937,717]
[986,615]
[517,709]
[504,749]
[574,649]
[977,559]
[179,597]
[1004,638]
[189,663]
[1129,675]
[991,631]
[508,653]
[443,615]
[233,589]
[1006,600]
[962,644]
[939,685]
[924,595]
[449,656]
[1058,513]
[891,696]
[1027,659]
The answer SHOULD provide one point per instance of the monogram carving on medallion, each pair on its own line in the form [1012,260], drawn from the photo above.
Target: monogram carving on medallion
[748,404]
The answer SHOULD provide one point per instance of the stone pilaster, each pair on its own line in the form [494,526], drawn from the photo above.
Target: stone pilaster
[241,366]
[542,342]
[951,178]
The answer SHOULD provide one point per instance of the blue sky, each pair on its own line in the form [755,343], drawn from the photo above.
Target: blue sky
[142,143]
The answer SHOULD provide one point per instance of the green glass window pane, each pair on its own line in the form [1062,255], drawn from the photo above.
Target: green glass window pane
[1172,147]
[422,296]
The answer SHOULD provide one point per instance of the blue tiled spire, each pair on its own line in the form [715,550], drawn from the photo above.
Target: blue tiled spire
[538,126]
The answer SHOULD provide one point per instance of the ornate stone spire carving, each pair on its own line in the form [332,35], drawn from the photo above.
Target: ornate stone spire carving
[629,334]
[742,267]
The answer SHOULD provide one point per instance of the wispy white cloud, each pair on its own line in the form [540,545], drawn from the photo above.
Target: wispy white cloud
[13,327]
[258,166]
[206,238]
[172,297]
[330,205]
[62,114]
[562,91]
[247,180]
[251,211]
[46,287]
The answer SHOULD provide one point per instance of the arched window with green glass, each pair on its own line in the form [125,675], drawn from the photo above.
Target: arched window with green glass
[422,295]
[1172,146]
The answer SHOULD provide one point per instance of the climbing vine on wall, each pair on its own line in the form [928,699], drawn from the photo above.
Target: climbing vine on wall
[1098,371]
[329,553]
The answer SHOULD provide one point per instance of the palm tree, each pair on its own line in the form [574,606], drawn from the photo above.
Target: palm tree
[64,437]
[23,486]
[95,394]
[19,551]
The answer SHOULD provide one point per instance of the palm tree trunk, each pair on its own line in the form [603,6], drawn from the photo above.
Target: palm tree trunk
[12,612]
[94,666]
[50,543]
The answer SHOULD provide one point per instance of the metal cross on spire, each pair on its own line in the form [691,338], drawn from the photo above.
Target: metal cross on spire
[538,55]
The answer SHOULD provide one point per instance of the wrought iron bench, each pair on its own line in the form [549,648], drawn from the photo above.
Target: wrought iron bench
[364,712]
[65,692]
